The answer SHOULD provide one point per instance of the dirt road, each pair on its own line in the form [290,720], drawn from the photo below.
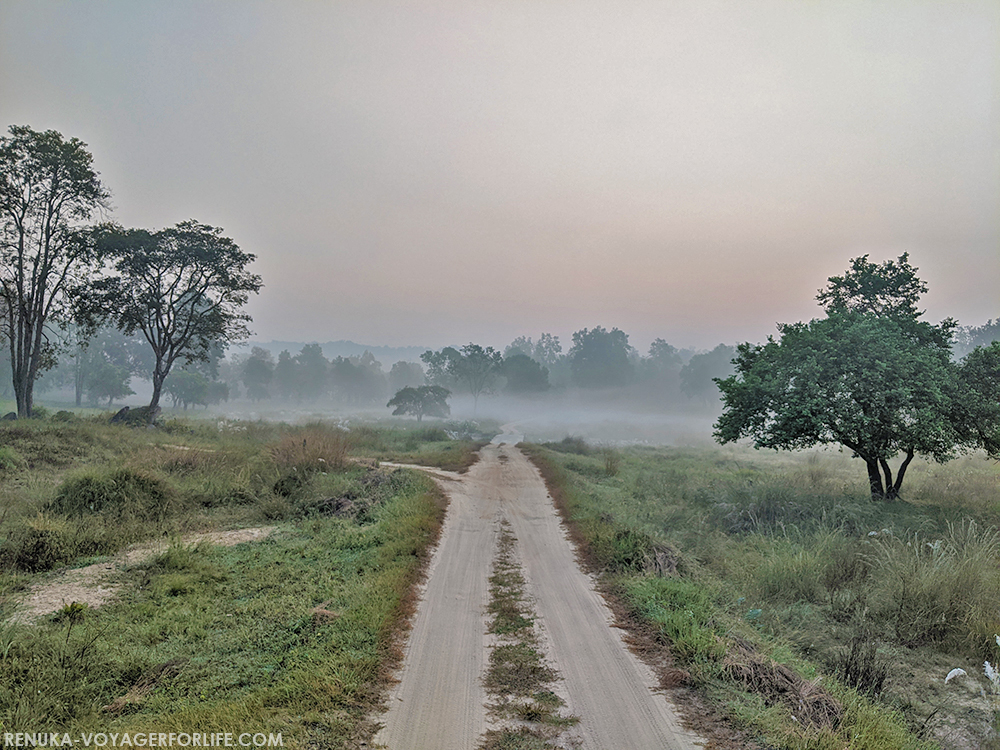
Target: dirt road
[439,702]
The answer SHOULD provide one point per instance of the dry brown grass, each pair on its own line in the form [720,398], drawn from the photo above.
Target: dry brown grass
[313,448]
[809,703]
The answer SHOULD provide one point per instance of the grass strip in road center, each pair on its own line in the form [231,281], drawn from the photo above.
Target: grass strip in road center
[518,679]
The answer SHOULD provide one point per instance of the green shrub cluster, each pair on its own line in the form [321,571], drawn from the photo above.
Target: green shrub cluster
[97,512]
[622,550]
[125,492]
[39,544]
[683,612]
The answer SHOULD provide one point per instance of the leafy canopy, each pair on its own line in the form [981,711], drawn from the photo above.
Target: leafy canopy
[473,366]
[429,400]
[870,376]
[890,289]
[600,358]
[48,189]
[183,288]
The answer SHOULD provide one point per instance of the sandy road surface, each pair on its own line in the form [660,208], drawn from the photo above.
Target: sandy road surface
[439,702]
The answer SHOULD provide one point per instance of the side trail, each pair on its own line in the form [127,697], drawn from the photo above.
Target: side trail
[440,701]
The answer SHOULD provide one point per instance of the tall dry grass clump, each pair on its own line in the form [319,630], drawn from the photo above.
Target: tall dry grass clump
[941,591]
[315,447]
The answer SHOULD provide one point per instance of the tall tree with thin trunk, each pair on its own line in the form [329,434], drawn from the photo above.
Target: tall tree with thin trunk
[48,190]
[477,368]
[183,288]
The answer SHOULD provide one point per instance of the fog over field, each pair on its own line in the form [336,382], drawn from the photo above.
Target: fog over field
[489,373]
[435,173]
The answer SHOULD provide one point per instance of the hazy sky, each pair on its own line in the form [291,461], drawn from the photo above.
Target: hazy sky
[441,172]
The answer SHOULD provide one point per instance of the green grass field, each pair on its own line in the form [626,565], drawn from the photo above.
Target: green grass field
[293,634]
[740,560]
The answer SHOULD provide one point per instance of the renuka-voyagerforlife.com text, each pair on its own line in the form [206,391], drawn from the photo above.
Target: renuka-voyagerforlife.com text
[143,739]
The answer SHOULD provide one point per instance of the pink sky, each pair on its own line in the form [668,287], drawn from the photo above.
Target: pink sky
[434,173]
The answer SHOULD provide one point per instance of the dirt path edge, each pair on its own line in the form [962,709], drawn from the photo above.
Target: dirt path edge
[697,712]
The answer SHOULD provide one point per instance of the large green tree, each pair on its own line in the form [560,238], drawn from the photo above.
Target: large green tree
[313,371]
[183,288]
[286,374]
[48,190]
[473,366]
[979,414]
[431,400]
[600,358]
[523,374]
[870,376]
[405,374]
[698,376]
[477,367]
[439,366]
[258,371]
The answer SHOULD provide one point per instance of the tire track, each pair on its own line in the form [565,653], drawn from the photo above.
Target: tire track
[440,701]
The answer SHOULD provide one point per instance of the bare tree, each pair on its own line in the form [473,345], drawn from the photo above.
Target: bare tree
[48,189]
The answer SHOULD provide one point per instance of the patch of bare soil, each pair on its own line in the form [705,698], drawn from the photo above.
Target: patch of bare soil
[93,584]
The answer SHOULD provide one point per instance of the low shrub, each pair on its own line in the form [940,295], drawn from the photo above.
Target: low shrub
[38,544]
[431,435]
[683,613]
[622,550]
[766,505]
[137,417]
[290,484]
[570,444]
[862,667]
[791,571]
[10,459]
[127,493]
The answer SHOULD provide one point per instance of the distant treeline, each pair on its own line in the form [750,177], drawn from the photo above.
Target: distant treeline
[599,363]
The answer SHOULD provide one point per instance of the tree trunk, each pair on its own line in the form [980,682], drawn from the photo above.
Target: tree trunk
[158,378]
[893,492]
[875,479]
[24,388]
[78,378]
[20,379]
[889,496]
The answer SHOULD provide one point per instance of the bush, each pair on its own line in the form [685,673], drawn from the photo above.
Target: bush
[138,417]
[623,550]
[64,416]
[792,573]
[570,444]
[10,459]
[38,544]
[290,485]
[126,493]
[431,435]
[765,505]
[862,668]
[682,611]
